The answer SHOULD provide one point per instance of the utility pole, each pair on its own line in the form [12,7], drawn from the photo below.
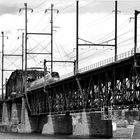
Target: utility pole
[74,67]
[51,38]
[116,10]
[22,52]
[25,4]
[135,31]
[52,10]
[22,44]
[2,63]
[2,73]
[22,55]
[77,33]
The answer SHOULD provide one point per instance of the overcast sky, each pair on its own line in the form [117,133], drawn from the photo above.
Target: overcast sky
[96,24]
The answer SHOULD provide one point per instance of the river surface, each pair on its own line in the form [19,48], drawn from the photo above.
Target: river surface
[120,133]
[37,136]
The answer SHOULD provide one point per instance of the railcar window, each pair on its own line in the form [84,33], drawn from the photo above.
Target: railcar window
[55,75]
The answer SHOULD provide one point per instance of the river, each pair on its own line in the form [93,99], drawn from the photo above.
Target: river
[37,136]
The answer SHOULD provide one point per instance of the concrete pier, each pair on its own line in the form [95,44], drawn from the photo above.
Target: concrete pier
[58,124]
[91,124]
[5,118]
[76,124]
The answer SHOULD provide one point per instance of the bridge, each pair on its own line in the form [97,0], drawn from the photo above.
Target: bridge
[115,84]
[105,87]
[85,102]
[105,84]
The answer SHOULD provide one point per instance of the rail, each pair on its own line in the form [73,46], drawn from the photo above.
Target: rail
[103,63]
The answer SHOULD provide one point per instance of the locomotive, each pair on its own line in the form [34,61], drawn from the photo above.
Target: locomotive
[35,79]
[44,81]
[15,84]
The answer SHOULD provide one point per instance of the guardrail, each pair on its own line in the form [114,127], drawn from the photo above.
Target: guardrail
[103,62]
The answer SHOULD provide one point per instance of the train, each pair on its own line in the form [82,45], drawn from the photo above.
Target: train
[15,85]
[44,81]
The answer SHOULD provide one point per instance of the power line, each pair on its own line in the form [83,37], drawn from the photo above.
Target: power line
[39,44]
[42,3]
[120,27]
[60,55]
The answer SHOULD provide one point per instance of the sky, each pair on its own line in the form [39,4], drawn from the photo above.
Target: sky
[96,24]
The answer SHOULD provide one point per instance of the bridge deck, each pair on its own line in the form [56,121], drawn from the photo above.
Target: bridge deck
[102,68]
[112,84]
[115,84]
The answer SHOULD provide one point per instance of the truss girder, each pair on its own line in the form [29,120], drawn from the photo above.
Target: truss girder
[117,85]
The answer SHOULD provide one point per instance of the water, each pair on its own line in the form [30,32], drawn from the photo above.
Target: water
[121,133]
[37,136]
[26,136]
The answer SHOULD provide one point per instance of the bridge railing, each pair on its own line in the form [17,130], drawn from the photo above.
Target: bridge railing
[103,62]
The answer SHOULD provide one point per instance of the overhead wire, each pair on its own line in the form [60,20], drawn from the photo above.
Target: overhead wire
[107,36]
[17,49]
[33,58]
[29,49]
[39,44]
[64,64]
[66,7]
[103,51]
[41,4]
[95,54]
[13,58]
[45,47]
[111,47]
[44,1]
[66,54]
[42,18]
[44,27]
[37,25]
[86,51]
[124,33]
[13,63]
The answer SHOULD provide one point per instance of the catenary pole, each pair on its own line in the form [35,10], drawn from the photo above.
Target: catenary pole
[77,32]
[22,51]
[2,63]
[52,10]
[116,10]
[25,74]
[52,38]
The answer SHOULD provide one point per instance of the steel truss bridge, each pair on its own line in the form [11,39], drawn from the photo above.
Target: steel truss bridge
[115,85]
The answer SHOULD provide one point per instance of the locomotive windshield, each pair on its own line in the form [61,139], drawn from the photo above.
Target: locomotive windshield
[55,75]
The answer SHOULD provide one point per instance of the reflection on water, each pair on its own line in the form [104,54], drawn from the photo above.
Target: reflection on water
[29,136]
[36,136]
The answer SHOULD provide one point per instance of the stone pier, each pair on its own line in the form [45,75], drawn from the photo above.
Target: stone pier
[91,124]
[76,124]
[57,124]
[5,118]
